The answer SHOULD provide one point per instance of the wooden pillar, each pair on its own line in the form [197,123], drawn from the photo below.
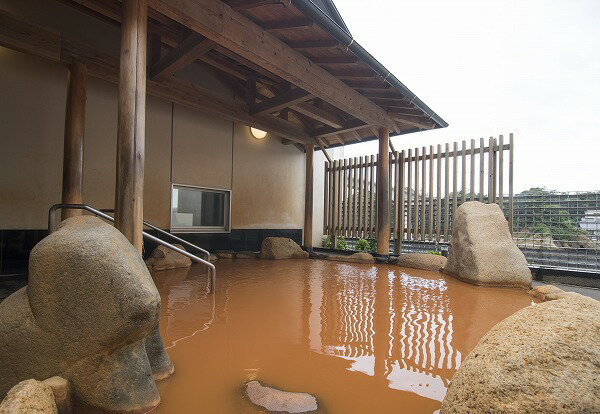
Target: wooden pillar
[72,184]
[131,123]
[308,197]
[383,194]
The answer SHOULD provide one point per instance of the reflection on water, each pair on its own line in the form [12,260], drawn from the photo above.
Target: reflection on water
[407,341]
[359,337]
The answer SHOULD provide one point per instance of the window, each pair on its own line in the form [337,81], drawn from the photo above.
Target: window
[195,209]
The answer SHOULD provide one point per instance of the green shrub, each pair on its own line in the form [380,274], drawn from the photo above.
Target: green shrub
[363,245]
[327,243]
[341,244]
[434,252]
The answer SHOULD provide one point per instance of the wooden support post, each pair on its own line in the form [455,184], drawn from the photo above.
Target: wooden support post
[72,184]
[132,121]
[383,193]
[308,198]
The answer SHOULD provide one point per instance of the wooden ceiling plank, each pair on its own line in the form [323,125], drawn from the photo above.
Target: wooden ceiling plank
[335,60]
[327,131]
[412,121]
[293,24]
[319,114]
[182,56]
[314,44]
[284,100]
[250,4]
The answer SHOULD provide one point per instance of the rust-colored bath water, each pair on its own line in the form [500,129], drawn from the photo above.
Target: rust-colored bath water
[361,338]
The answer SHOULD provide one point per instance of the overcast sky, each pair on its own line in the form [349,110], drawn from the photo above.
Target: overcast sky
[495,67]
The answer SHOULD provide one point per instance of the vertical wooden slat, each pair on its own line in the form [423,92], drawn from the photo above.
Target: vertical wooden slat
[355,200]
[72,181]
[438,221]
[326,199]
[361,203]
[334,210]
[463,155]
[472,172]
[423,193]
[129,191]
[401,203]
[495,170]
[344,203]
[491,170]
[501,172]
[481,170]
[367,197]
[396,162]
[372,201]
[431,155]
[331,198]
[416,220]
[510,182]
[308,197]
[383,193]
[409,195]
[338,201]
[454,181]
[447,192]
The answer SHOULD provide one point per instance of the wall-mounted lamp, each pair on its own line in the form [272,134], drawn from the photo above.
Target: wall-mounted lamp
[258,133]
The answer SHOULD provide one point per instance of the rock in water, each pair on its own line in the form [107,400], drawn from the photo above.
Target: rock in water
[548,292]
[360,257]
[163,258]
[89,314]
[281,248]
[422,261]
[62,394]
[280,401]
[29,397]
[543,359]
[482,250]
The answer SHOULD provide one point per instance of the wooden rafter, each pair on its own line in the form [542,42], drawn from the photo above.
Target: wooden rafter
[335,60]
[284,100]
[193,47]
[293,24]
[319,114]
[412,121]
[326,131]
[314,44]
[250,4]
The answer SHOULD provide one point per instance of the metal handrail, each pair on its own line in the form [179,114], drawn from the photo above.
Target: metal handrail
[166,233]
[51,225]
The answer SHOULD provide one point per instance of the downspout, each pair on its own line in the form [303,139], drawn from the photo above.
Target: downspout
[322,19]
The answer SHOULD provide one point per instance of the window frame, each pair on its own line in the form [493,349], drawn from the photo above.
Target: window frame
[202,229]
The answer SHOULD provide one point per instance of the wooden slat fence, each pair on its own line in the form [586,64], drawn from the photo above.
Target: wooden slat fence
[426,185]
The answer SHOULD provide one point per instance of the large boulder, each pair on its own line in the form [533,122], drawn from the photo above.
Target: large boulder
[548,292]
[89,314]
[163,258]
[543,359]
[482,250]
[29,397]
[281,248]
[360,257]
[275,400]
[422,261]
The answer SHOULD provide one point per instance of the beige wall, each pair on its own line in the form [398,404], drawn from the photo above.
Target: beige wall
[182,145]
[266,177]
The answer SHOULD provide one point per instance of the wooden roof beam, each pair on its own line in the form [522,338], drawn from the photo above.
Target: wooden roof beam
[284,100]
[335,60]
[412,121]
[250,4]
[293,24]
[319,114]
[314,44]
[327,131]
[183,55]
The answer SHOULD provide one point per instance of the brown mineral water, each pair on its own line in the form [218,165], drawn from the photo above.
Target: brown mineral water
[361,338]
